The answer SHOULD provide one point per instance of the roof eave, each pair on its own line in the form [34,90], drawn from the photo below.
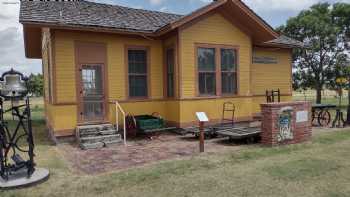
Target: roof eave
[280,45]
[87,28]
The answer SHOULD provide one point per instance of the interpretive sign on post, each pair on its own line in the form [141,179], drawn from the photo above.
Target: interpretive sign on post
[202,117]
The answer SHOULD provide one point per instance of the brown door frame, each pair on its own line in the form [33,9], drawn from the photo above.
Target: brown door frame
[81,119]
[90,53]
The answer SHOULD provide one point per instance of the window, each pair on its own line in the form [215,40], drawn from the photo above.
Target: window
[170,61]
[206,71]
[228,71]
[217,70]
[137,67]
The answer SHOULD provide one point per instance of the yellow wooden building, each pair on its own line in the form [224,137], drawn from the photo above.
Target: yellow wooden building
[95,54]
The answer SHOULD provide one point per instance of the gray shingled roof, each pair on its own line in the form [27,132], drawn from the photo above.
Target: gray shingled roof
[286,41]
[89,14]
[84,13]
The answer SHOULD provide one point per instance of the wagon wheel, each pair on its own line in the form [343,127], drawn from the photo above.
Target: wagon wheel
[130,122]
[324,118]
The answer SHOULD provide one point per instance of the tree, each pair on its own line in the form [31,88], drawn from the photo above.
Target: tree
[300,83]
[341,17]
[36,84]
[315,28]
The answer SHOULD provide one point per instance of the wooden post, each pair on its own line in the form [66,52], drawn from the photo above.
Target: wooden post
[201,136]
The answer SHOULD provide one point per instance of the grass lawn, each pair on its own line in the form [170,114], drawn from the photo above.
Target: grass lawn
[319,168]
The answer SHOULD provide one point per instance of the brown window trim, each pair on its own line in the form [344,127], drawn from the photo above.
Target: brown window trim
[148,55]
[217,48]
[165,72]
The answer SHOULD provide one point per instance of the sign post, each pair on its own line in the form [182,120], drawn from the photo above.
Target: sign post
[202,117]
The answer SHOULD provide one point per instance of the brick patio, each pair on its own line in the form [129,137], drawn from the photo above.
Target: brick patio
[139,152]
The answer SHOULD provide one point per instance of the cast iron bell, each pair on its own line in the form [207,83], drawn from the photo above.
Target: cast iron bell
[13,85]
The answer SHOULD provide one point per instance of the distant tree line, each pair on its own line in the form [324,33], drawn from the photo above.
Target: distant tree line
[36,84]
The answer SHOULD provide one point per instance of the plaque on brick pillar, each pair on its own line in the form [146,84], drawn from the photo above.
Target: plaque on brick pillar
[285,123]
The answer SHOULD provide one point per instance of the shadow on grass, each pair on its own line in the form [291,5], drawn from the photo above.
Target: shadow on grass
[302,169]
[40,133]
[332,138]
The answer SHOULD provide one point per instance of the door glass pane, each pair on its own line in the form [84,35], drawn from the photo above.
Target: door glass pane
[93,110]
[92,81]
[206,59]
[92,92]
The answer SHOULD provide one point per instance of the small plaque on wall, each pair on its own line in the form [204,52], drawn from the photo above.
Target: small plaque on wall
[264,60]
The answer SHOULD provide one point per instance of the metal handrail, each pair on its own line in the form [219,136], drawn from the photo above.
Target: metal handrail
[117,109]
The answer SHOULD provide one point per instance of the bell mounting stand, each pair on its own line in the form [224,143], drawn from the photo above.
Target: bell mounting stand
[17,166]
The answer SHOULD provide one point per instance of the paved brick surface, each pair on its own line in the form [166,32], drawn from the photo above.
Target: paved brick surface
[139,152]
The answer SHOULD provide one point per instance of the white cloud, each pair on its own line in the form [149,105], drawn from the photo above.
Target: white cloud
[11,41]
[163,9]
[270,5]
[206,1]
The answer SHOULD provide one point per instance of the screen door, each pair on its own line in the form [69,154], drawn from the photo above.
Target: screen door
[92,93]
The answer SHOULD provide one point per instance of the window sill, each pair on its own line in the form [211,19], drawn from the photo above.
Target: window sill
[138,98]
[216,96]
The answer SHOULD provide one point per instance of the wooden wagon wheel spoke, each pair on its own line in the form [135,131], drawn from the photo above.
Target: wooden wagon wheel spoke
[324,118]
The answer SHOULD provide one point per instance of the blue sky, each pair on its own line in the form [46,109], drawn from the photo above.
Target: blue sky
[275,12]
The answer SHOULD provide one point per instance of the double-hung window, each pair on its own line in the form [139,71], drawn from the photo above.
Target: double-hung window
[170,68]
[217,70]
[228,71]
[206,71]
[137,73]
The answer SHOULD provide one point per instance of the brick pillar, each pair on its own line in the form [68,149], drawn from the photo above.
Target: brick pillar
[286,123]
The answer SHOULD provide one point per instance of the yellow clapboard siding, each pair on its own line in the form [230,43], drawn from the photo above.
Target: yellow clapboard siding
[214,29]
[254,79]
[272,76]
[169,110]
[65,63]
[213,108]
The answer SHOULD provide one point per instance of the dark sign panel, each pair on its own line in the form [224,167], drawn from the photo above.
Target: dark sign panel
[264,60]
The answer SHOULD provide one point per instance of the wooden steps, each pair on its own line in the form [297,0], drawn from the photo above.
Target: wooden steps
[97,136]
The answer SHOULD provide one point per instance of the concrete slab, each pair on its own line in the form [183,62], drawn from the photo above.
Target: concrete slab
[20,180]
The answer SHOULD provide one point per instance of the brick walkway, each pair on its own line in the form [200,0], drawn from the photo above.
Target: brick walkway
[138,153]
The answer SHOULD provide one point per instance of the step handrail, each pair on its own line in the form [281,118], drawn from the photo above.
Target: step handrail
[118,108]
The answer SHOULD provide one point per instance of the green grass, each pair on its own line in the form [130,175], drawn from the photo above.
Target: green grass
[328,97]
[318,168]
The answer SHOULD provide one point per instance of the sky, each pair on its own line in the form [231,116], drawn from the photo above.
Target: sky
[275,12]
